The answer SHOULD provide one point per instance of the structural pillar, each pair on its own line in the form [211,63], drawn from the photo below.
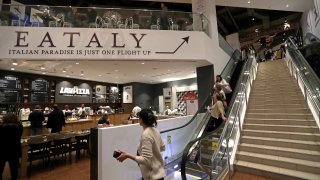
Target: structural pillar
[206,8]
[205,81]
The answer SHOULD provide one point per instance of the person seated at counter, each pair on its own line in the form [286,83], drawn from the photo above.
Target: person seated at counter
[104,120]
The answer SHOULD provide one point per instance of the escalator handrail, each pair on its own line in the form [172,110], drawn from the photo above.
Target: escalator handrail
[192,142]
[305,64]
[203,104]
[310,90]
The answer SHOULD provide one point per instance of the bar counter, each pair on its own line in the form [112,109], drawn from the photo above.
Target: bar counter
[81,124]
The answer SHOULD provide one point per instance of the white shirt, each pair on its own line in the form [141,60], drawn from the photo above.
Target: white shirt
[135,110]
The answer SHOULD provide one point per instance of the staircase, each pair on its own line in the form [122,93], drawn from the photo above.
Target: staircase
[280,138]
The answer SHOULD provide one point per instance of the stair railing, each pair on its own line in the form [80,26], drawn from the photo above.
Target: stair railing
[307,79]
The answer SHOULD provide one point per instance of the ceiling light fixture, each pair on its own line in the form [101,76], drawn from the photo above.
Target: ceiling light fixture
[99,75]
[14,62]
[42,67]
[64,70]
[249,2]
[142,63]
[287,5]
[12,69]
[82,73]
[77,63]
[43,73]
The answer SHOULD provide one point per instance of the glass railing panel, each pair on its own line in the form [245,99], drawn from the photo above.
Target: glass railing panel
[225,45]
[94,17]
[306,72]
[307,80]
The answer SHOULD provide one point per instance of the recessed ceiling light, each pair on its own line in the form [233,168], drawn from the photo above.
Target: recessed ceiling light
[287,5]
[77,63]
[64,70]
[99,75]
[249,2]
[12,69]
[42,67]
[253,19]
[82,73]
[142,63]
[43,73]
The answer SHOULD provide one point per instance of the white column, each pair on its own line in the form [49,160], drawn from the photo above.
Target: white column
[208,9]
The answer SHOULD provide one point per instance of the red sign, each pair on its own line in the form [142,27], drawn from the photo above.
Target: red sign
[189,96]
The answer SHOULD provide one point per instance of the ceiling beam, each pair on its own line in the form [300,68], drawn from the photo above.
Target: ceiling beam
[234,22]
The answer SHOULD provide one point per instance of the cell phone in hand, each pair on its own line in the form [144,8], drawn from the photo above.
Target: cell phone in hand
[116,154]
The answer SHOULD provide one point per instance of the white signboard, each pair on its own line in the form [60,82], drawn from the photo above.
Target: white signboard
[95,43]
[127,94]
[167,92]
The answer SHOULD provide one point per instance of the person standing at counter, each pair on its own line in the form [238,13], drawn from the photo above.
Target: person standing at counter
[135,111]
[36,118]
[55,120]
[10,137]
[151,145]
[82,111]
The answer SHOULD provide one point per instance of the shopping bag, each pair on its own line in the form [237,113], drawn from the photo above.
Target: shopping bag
[227,89]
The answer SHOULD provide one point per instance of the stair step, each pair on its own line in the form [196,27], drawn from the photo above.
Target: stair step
[273,172]
[279,116]
[282,135]
[288,143]
[281,151]
[275,101]
[281,162]
[280,93]
[280,121]
[280,110]
[275,106]
[269,97]
[282,128]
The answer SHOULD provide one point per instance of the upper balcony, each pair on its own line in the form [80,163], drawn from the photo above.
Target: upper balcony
[94,17]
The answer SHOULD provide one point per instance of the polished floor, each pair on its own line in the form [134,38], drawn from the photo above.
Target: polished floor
[80,170]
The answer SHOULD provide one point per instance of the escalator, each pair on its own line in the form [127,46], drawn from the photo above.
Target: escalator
[231,73]
[311,53]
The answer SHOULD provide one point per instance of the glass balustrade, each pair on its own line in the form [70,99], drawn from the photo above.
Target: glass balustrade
[96,17]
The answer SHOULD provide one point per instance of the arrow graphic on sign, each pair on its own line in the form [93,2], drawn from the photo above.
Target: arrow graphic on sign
[185,39]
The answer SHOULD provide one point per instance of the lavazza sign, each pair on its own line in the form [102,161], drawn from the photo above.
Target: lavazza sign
[75,91]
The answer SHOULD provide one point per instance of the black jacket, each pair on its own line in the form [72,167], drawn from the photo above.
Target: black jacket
[56,120]
[36,118]
[10,140]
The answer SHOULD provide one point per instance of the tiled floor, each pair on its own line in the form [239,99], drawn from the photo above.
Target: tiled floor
[80,170]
